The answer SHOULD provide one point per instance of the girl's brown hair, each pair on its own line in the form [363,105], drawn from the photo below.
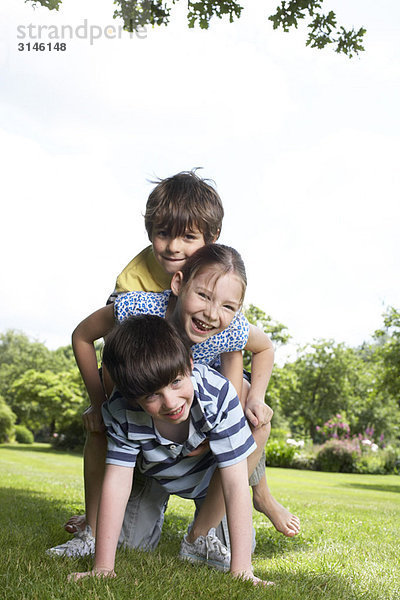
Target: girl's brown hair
[223,259]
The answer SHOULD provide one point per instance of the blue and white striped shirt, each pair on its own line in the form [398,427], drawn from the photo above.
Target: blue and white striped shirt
[216,415]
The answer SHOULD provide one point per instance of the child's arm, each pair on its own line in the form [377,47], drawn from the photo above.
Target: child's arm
[232,369]
[97,325]
[235,487]
[117,486]
[262,363]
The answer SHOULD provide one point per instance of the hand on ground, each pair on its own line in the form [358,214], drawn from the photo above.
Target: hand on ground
[93,573]
[249,576]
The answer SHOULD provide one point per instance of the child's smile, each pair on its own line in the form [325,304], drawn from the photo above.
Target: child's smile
[208,304]
[172,252]
[170,405]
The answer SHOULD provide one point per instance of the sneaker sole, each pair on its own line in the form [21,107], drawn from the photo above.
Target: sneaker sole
[195,559]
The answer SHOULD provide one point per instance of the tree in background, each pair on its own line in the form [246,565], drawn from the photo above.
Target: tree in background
[41,387]
[44,400]
[319,385]
[329,378]
[323,29]
[18,354]
[388,352]
[280,336]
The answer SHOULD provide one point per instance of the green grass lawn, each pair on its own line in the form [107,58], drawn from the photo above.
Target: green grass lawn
[349,547]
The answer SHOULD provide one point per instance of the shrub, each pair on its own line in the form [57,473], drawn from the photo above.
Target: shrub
[23,435]
[337,456]
[277,433]
[371,464]
[279,454]
[336,428]
[304,461]
[391,459]
[7,420]
[70,436]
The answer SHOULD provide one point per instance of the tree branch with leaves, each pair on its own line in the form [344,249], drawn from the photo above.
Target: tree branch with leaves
[323,28]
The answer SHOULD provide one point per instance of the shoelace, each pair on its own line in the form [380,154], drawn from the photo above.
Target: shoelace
[214,544]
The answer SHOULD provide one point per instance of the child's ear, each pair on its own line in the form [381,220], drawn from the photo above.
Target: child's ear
[176,283]
[215,238]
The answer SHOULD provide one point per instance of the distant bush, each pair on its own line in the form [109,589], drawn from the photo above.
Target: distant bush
[337,456]
[23,435]
[279,434]
[7,420]
[71,436]
[391,459]
[304,461]
[279,454]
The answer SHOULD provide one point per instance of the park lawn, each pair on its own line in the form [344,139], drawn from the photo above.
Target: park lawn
[349,547]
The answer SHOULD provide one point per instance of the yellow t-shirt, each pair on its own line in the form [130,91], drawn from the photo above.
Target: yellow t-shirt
[143,274]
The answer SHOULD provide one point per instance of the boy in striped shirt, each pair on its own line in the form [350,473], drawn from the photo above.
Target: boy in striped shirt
[165,409]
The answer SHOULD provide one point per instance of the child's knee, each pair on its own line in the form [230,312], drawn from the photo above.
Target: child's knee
[261,434]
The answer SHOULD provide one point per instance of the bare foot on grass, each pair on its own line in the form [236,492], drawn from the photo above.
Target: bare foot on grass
[75,524]
[280,517]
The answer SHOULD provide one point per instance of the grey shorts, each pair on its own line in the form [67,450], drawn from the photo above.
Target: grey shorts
[144,515]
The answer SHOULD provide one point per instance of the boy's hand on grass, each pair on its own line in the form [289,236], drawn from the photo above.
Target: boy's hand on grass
[93,420]
[94,573]
[249,576]
[258,413]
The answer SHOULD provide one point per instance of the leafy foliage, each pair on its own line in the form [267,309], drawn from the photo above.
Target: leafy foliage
[323,28]
[50,4]
[46,399]
[279,454]
[388,352]
[42,388]
[7,420]
[275,330]
[23,435]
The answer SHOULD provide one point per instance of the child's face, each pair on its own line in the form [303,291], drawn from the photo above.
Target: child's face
[207,304]
[171,252]
[170,404]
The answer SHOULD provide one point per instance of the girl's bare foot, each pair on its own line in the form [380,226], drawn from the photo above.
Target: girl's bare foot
[280,517]
[75,524]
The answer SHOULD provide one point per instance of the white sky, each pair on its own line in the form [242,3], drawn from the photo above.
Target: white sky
[302,144]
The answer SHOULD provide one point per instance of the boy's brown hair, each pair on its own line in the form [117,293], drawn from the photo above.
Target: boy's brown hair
[184,202]
[143,354]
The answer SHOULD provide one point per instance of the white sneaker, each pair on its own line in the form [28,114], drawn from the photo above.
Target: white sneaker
[82,544]
[207,550]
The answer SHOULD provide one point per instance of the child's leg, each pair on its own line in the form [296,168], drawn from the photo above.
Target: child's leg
[213,508]
[94,465]
[263,500]
[94,457]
